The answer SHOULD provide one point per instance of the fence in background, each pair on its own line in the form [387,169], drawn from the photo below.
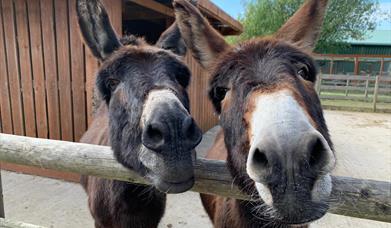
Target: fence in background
[367,88]
[354,64]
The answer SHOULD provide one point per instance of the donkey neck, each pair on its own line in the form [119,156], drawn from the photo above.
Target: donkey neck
[98,132]
[137,199]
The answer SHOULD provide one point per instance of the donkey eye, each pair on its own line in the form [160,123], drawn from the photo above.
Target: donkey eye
[112,84]
[220,93]
[303,72]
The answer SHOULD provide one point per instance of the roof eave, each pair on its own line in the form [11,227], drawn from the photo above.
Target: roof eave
[209,8]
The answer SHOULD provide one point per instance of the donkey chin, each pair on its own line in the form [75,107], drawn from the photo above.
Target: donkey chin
[289,161]
[168,141]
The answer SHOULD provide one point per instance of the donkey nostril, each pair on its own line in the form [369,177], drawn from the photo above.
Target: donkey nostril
[154,133]
[316,153]
[260,159]
[188,127]
[153,136]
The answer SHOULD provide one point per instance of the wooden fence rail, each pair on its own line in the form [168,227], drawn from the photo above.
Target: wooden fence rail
[341,87]
[366,199]
[6,223]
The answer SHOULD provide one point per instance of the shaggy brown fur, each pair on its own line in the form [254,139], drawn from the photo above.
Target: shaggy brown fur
[238,75]
[156,143]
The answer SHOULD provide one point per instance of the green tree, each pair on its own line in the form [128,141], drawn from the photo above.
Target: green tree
[345,19]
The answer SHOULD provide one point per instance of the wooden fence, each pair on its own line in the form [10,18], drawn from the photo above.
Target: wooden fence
[351,197]
[47,74]
[355,64]
[355,87]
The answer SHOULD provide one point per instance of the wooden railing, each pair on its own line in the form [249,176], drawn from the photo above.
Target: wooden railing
[366,199]
[365,88]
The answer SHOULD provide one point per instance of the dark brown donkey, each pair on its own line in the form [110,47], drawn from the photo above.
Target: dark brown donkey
[274,136]
[144,117]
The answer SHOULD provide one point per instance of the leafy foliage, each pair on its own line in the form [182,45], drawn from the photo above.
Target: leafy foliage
[345,19]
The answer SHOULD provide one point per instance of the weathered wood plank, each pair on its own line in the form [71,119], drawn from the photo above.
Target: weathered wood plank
[346,77]
[208,7]
[6,223]
[5,102]
[77,72]
[201,107]
[376,93]
[156,6]
[23,39]
[13,66]
[1,126]
[353,77]
[366,199]
[91,63]
[2,213]
[113,8]
[38,67]
[64,75]
[348,56]
[355,88]
[49,50]
[91,68]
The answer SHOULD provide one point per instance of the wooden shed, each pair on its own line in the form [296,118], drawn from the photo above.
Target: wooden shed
[47,75]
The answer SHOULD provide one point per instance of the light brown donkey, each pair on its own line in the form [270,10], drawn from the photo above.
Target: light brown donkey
[274,137]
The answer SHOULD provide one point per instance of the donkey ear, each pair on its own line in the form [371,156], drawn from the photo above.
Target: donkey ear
[96,29]
[171,40]
[202,39]
[304,27]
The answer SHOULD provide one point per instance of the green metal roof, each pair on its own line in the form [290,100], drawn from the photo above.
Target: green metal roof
[366,49]
[376,37]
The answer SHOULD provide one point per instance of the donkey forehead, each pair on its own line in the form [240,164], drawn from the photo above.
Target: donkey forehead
[140,53]
[262,60]
[142,58]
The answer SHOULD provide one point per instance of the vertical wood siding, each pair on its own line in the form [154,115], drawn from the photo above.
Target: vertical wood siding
[201,108]
[47,75]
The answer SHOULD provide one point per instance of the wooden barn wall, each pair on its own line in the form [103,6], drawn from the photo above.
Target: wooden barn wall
[47,75]
[201,108]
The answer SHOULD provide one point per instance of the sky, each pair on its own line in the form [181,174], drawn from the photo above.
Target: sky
[235,8]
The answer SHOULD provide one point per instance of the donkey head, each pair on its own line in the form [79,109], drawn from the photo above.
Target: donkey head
[144,87]
[275,133]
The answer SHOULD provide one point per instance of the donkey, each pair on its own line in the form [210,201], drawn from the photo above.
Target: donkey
[144,117]
[274,136]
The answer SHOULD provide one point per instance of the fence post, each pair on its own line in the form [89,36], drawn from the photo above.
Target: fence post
[375,93]
[366,87]
[331,69]
[2,214]
[318,85]
[347,87]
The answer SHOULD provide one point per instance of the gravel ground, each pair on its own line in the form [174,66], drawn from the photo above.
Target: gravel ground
[362,142]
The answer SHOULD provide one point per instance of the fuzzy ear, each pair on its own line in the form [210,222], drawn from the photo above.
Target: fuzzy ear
[304,27]
[200,37]
[96,29]
[171,40]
